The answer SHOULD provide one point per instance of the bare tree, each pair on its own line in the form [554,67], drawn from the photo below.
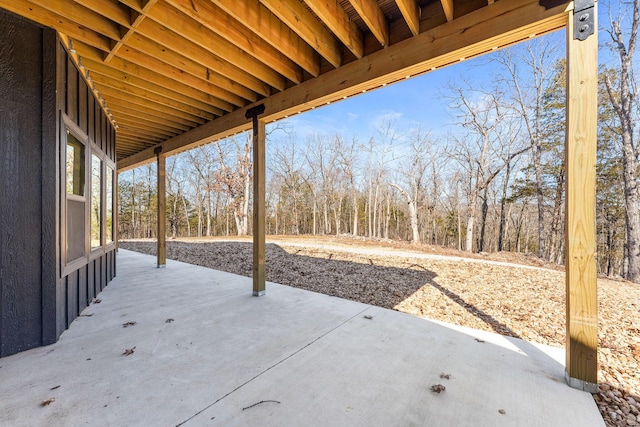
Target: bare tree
[528,102]
[413,174]
[234,178]
[622,97]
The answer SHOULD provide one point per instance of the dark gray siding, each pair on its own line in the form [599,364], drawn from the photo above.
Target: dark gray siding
[27,219]
[39,296]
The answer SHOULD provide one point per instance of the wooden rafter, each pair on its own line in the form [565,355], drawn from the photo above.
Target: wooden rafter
[220,22]
[411,14]
[198,42]
[447,6]
[262,22]
[186,64]
[372,15]
[485,30]
[336,19]
[300,20]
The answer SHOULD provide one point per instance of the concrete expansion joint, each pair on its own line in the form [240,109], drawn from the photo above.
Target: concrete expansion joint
[274,365]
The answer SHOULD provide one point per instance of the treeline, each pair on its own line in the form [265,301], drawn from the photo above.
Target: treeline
[495,182]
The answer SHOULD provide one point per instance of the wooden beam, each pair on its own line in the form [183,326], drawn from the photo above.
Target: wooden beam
[162,210]
[506,23]
[370,12]
[224,26]
[257,18]
[131,75]
[335,18]
[173,49]
[411,14]
[259,190]
[50,19]
[130,29]
[296,16]
[447,6]
[580,222]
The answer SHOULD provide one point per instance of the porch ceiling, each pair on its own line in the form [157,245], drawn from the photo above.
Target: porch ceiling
[179,73]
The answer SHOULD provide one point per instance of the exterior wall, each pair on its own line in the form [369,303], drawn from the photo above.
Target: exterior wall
[80,280]
[41,92]
[27,208]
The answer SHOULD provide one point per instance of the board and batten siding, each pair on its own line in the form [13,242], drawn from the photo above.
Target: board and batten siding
[81,282]
[40,91]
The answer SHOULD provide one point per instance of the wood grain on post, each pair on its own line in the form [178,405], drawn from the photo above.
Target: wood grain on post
[259,188]
[162,211]
[580,235]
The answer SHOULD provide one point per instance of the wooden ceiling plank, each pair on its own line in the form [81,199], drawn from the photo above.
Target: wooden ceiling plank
[335,18]
[148,84]
[165,45]
[411,14]
[262,22]
[173,28]
[165,76]
[225,26]
[372,15]
[50,19]
[297,17]
[447,6]
[501,24]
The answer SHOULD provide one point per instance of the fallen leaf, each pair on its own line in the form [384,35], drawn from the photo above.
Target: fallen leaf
[502,411]
[124,325]
[96,301]
[129,351]
[168,320]
[87,315]
[445,376]
[368,316]
[479,340]
[438,388]
[47,402]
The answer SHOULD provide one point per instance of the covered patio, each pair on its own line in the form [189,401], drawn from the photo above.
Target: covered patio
[153,78]
[205,352]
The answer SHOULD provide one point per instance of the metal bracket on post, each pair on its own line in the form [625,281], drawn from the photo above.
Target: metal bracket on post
[253,113]
[157,150]
[583,19]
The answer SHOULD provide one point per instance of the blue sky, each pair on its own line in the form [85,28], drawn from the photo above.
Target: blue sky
[417,101]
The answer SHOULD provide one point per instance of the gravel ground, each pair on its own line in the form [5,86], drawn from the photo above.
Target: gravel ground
[508,299]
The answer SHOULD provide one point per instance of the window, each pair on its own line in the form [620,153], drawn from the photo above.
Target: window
[75,179]
[109,206]
[96,201]
[75,166]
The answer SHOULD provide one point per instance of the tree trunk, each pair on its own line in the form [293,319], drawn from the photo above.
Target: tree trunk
[623,104]
[413,214]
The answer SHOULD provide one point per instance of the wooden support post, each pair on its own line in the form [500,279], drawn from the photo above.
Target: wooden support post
[580,232]
[162,210]
[259,188]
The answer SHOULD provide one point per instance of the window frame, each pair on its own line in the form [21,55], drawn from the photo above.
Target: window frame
[90,149]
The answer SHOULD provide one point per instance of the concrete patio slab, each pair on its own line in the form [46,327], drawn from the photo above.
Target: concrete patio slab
[207,353]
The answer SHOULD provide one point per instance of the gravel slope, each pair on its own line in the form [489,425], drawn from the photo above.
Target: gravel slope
[518,301]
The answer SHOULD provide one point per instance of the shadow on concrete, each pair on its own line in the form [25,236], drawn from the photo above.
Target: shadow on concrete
[366,281]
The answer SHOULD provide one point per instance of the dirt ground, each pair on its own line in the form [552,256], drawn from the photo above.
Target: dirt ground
[511,294]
